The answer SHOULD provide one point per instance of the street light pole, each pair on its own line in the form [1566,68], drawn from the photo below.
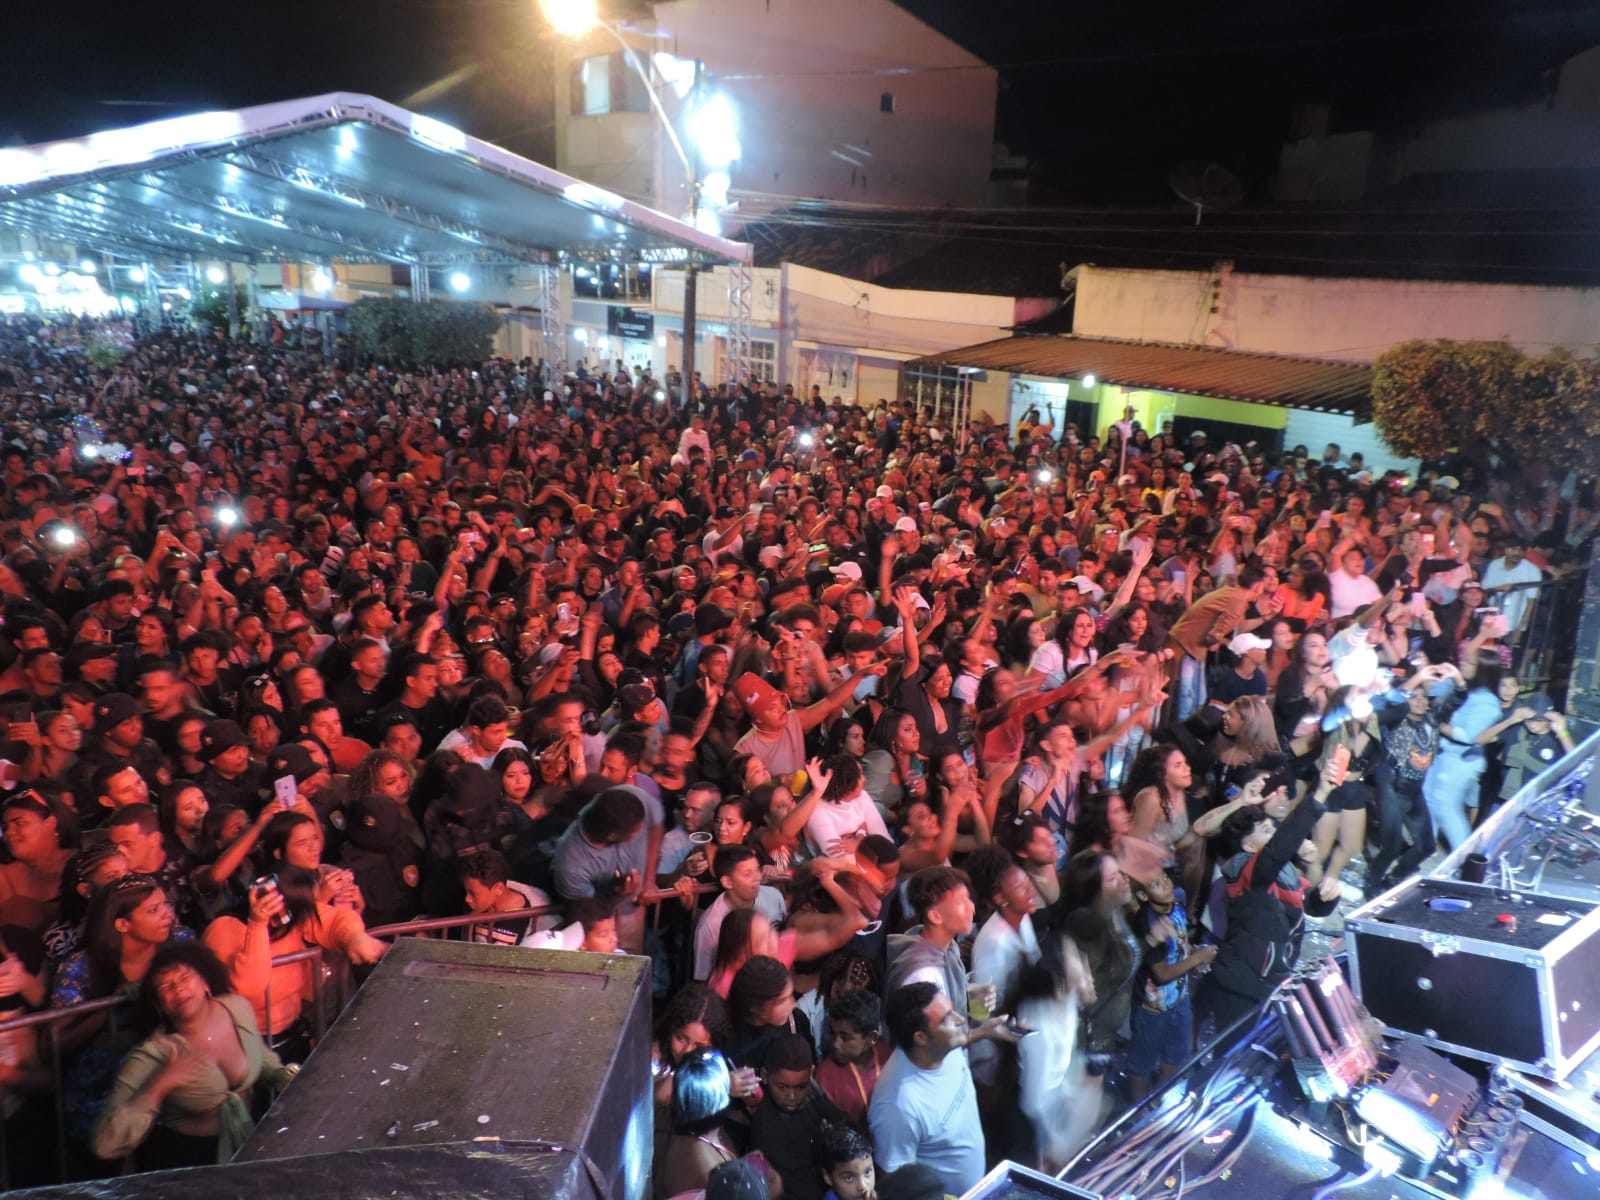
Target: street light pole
[690,283]
[572,18]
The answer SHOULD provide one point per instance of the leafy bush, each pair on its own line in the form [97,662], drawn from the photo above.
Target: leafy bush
[434,333]
[105,351]
[1485,399]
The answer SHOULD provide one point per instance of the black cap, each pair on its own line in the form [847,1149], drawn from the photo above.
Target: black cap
[218,737]
[113,709]
[291,759]
[374,823]
[81,652]
[711,618]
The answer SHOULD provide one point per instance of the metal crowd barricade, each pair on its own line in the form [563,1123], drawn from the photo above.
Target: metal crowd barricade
[332,987]
[1542,650]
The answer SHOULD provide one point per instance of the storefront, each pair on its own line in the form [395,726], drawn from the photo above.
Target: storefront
[1276,401]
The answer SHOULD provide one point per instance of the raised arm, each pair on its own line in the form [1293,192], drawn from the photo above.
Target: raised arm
[815,714]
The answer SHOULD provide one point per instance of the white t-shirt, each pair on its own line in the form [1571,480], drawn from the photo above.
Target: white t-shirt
[708,545]
[462,745]
[1047,660]
[831,821]
[1349,593]
[1354,661]
[928,1117]
[769,903]
[999,953]
[1513,604]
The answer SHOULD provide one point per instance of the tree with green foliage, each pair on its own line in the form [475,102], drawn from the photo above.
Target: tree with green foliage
[211,305]
[1488,400]
[432,333]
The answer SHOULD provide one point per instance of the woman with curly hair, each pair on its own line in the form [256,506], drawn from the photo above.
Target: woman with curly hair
[127,923]
[1135,626]
[1158,783]
[695,1018]
[844,813]
[382,772]
[181,1097]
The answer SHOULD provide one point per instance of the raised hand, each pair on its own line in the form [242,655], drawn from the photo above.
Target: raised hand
[821,777]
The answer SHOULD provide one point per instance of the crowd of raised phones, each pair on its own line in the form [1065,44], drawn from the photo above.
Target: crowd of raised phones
[952,778]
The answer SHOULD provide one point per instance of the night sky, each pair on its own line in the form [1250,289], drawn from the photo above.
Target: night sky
[1104,96]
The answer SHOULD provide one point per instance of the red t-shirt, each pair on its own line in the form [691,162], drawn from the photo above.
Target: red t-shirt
[850,1087]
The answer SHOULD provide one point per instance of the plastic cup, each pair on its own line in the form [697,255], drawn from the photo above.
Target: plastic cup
[700,839]
[980,1000]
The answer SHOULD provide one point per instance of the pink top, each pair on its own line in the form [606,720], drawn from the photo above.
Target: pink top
[721,981]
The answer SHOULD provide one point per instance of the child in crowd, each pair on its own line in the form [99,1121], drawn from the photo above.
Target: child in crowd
[786,1127]
[856,1054]
[490,891]
[1162,1023]
[846,1161]
[593,928]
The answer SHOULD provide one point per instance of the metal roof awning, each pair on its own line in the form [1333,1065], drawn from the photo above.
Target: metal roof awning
[336,176]
[859,351]
[1312,383]
[297,302]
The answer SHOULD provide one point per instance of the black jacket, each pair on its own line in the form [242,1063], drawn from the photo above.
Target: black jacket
[1262,941]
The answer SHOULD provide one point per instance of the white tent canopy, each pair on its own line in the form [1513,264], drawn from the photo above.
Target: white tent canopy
[339,176]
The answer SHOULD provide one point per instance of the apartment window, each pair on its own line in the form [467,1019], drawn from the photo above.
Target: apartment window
[594,85]
[886,102]
[764,360]
[935,388]
[605,83]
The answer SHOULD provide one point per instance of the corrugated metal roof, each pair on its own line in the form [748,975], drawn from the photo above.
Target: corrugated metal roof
[336,176]
[1313,383]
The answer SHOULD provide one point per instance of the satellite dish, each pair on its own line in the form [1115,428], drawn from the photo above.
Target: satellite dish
[1205,185]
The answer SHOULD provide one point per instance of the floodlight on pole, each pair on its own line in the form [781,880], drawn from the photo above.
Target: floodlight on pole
[714,129]
[574,18]
[570,18]
[460,281]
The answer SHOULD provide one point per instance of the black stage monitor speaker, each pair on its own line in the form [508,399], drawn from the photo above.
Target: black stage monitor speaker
[504,1048]
[1503,976]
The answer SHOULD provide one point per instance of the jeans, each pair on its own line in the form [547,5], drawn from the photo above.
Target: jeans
[1450,788]
[1191,686]
[1401,811]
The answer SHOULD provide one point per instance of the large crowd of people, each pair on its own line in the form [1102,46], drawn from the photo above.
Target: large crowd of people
[953,778]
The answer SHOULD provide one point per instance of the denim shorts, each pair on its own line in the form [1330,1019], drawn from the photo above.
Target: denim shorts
[1160,1038]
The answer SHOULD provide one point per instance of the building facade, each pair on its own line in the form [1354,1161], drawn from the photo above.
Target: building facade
[841,100]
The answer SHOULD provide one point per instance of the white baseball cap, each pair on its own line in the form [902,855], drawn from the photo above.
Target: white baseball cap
[1243,643]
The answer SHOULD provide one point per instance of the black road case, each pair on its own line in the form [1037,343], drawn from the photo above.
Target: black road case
[1503,976]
